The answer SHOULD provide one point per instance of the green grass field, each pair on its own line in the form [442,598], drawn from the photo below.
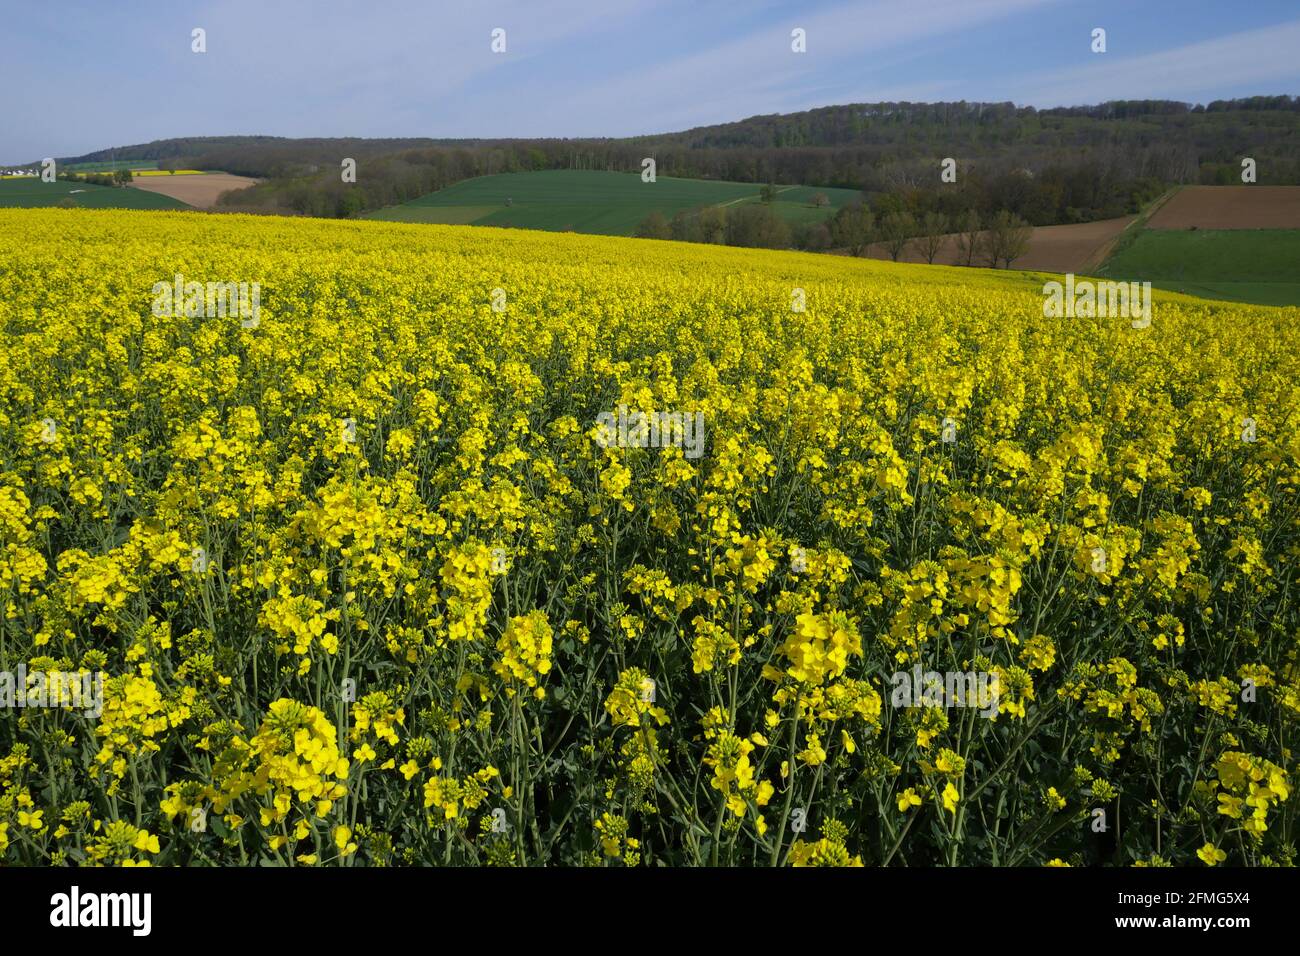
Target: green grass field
[33,192]
[596,202]
[1241,265]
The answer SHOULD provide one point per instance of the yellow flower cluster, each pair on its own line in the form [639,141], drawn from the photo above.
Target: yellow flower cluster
[136,716]
[525,648]
[1261,785]
[296,750]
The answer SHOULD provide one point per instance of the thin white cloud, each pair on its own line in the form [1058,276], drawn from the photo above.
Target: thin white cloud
[755,73]
[1265,59]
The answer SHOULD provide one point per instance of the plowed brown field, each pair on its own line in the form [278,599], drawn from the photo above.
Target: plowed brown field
[200,191]
[1230,207]
[1074,248]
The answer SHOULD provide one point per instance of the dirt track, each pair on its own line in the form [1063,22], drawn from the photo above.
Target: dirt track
[1230,207]
[200,191]
[1075,248]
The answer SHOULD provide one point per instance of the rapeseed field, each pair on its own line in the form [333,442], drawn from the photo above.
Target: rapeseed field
[476,546]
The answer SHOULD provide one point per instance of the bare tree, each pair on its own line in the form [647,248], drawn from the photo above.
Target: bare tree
[1008,238]
[969,238]
[903,175]
[934,226]
[897,230]
[1017,243]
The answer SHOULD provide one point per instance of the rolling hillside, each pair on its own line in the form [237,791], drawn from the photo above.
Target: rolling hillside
[33,192]
[595,202]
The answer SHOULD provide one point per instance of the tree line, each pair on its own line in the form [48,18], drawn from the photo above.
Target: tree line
[994,239]
[118,177]
[1083,163]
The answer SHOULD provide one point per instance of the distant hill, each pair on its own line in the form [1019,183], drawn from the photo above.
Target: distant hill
[263,153]
[1171,137]
[1053,166]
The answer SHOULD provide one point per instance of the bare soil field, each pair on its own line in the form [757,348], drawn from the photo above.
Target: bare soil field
[1230,207]
[1075,248]
[200,191]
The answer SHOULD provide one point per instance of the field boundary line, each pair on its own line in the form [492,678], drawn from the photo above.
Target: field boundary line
[1096,262]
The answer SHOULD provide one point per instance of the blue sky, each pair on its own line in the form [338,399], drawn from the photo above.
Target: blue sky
[77,76]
